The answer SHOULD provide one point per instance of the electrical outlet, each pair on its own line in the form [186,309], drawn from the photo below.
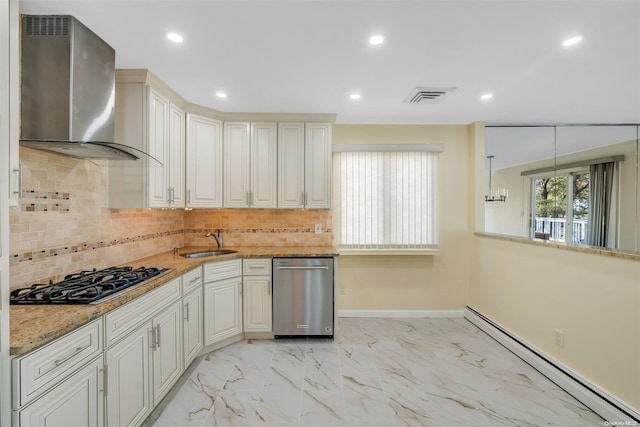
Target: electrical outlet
[318,228]
[558,338]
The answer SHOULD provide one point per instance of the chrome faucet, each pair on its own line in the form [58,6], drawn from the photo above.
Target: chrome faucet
[217,236]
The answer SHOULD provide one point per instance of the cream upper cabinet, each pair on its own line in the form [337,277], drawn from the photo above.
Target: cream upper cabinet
[237,163]
[158,144]
[317,162]
[250,172]
[177,156]
[204,160]
[147,120]
[304,165]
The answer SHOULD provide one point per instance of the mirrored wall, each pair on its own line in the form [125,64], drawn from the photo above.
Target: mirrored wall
[573,184]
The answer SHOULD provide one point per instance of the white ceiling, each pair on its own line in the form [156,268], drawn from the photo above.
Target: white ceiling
[308,56]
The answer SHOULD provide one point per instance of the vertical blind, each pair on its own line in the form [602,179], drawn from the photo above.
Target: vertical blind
[387,200]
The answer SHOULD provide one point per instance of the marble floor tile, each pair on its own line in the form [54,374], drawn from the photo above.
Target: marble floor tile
[374,373]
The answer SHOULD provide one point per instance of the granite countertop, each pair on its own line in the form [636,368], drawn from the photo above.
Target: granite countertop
[32,326]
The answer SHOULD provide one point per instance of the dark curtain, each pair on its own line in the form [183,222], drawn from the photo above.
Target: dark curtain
[601,177]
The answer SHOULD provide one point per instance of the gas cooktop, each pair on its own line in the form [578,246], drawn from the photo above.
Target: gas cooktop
[85,287]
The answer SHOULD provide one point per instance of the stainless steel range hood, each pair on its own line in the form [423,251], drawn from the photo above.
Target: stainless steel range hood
[68,90]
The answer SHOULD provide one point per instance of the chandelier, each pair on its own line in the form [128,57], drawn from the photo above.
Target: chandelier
[497,195]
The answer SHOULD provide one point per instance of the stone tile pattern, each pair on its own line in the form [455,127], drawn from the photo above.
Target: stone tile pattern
[377,372]
[63,224]
[260,227]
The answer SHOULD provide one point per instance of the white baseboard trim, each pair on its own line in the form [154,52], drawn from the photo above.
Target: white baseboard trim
[400,313]
[598,400]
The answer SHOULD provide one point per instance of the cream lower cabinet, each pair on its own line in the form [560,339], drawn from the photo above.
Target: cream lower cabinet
[77,401]
[144,353]
[143,367]
[222,300]
[129,384]
[192,325]
[257,295]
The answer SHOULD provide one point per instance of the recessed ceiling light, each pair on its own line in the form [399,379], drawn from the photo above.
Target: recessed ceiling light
[221,94]
[376,39]
[571,41]
[354,96]
[486,96]
[175,37]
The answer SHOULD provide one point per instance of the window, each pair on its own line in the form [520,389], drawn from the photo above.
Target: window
[579,206]
[386,200]
[561,206]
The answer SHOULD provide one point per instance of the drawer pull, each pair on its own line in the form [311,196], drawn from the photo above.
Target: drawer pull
[77,351]
[186,312]
[194,280]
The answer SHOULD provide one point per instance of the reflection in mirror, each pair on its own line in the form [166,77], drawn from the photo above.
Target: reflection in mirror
[585,191]
[512,148]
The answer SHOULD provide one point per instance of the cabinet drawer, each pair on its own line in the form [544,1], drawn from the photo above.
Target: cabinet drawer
[256,267]
[191,280]
[222,270]
[44,368]
[130,316]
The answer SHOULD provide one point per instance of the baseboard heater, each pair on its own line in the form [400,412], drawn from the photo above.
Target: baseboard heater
[592,396]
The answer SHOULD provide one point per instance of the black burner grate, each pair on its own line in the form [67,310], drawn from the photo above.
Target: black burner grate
[84,287]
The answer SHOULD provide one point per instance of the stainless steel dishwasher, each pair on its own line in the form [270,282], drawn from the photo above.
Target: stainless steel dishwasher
[303,297]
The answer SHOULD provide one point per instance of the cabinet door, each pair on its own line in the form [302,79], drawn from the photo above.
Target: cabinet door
[128,380]
[222,309]
[177,153]
[263,165]
[236,165]
[77,401]
[204,157]
[192,325]
[290,165]
[158,121]
[167,350]
[257,304]
[318,165]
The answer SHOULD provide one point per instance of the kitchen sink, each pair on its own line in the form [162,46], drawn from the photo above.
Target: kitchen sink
[208,253]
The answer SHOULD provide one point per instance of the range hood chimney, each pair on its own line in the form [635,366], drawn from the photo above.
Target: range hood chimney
[68,89]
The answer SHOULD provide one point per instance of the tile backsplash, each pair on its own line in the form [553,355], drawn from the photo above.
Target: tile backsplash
[63,224]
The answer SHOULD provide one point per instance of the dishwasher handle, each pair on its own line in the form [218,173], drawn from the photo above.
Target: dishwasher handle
[302,267]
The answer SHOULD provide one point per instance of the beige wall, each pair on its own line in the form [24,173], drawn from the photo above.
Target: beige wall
[415,282]
[595,300]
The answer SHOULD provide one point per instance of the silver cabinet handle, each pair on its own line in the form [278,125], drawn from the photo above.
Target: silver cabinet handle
[188,196]
[152,338]
[157,336]
[308,267]
[19,172]
[269,289]
[195,279]
[105,380]
[77,351]
[169,195]
[186,309]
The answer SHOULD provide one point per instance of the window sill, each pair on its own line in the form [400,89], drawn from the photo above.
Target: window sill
[420,252]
